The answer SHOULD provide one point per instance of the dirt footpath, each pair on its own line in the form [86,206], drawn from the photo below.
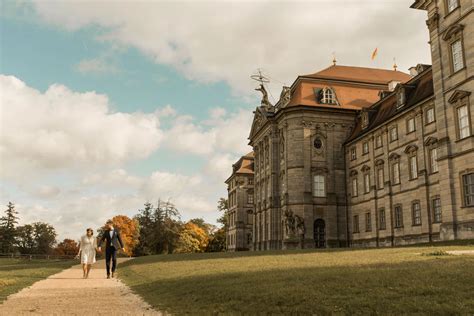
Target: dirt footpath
[67,293]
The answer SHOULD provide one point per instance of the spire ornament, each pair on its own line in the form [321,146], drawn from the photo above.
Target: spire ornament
[265,102]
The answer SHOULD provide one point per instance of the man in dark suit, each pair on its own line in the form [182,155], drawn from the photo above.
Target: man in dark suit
[113,242]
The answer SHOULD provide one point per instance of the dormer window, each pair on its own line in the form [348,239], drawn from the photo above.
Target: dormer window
[400,97]
[365,119]
[329,97]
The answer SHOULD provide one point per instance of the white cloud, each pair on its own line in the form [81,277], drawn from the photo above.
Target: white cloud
[61,129]
[222,133]
[96,66]
[47,191]
[64,155]
[227,40]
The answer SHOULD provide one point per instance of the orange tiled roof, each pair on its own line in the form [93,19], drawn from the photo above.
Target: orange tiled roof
[360,74]
[350,93]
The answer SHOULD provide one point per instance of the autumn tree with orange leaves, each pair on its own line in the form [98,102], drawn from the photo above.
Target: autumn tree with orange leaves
[192,238]
[129,232]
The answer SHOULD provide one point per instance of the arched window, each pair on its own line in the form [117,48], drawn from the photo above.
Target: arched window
[329,97]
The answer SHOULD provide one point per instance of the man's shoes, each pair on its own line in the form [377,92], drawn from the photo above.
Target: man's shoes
[113,274]
[108,276]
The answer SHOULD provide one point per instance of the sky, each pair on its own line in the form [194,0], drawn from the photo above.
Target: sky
[106,105]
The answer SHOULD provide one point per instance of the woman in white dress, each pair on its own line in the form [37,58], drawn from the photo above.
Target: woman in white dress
[87,249]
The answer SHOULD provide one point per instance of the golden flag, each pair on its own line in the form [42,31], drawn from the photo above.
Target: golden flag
[374,53]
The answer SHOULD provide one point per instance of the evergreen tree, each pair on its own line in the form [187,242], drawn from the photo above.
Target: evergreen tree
[7,229]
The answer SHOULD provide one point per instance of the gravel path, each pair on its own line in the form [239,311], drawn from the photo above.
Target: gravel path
[461,252]
[67,293]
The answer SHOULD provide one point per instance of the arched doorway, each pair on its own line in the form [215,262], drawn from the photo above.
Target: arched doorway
[319,233]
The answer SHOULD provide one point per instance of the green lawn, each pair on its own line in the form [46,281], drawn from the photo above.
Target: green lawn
[377,281]
[16,274]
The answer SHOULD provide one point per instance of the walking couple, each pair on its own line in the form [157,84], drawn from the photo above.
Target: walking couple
[89,247]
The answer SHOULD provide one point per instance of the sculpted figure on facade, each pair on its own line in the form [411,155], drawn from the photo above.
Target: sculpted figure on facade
[265,102]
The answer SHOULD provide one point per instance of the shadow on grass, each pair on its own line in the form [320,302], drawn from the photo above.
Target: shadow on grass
[438,286]
[243,254]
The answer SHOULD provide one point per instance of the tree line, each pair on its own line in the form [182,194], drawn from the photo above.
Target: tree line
[155,229]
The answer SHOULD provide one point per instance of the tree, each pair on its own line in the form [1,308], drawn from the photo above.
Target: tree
[129,232]
[44,236]
[192,238]
[159,228]
[145,221]
[67,247]
[25,241]
[223,206]
[7,228]
[217,241]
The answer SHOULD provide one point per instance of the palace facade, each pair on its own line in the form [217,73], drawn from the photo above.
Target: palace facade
[353,156]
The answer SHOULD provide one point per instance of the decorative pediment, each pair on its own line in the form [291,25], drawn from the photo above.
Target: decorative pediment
[394,156]
[259,120]
[379,162]
[410,149]
[458,95]
[452,30]
[431,141]
[365,168]
[320,170]
[353,173]
[285,97]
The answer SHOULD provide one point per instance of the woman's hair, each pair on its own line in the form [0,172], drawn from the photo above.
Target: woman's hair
[91,230]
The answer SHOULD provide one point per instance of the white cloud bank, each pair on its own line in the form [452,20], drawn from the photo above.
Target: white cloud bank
[64,155]
[211,41]
[61,129]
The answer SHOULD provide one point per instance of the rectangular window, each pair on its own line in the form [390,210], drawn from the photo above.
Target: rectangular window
[355,190]
[380,178]
[452,4]
[430,116]
[411,125]
[434,160]
[413,167]
[437,210]
[368,222]
[250,181]
[416,213]
[468,189]
[398,216]
[396,173]
[378,141]
[355,224]
[319,188]
[393,134]
[463,121]
[367,182]
[365,148]
[250,197]
[457,55]
[382,222]
[353,153]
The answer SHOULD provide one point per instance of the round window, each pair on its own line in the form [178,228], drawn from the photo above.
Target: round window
[318,144]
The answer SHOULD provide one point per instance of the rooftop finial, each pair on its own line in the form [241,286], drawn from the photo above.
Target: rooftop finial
[334,58]
[395,64]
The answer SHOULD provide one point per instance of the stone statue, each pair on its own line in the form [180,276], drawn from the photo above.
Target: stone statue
[289,223]
[299,225]
[285,96]
[265,102]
